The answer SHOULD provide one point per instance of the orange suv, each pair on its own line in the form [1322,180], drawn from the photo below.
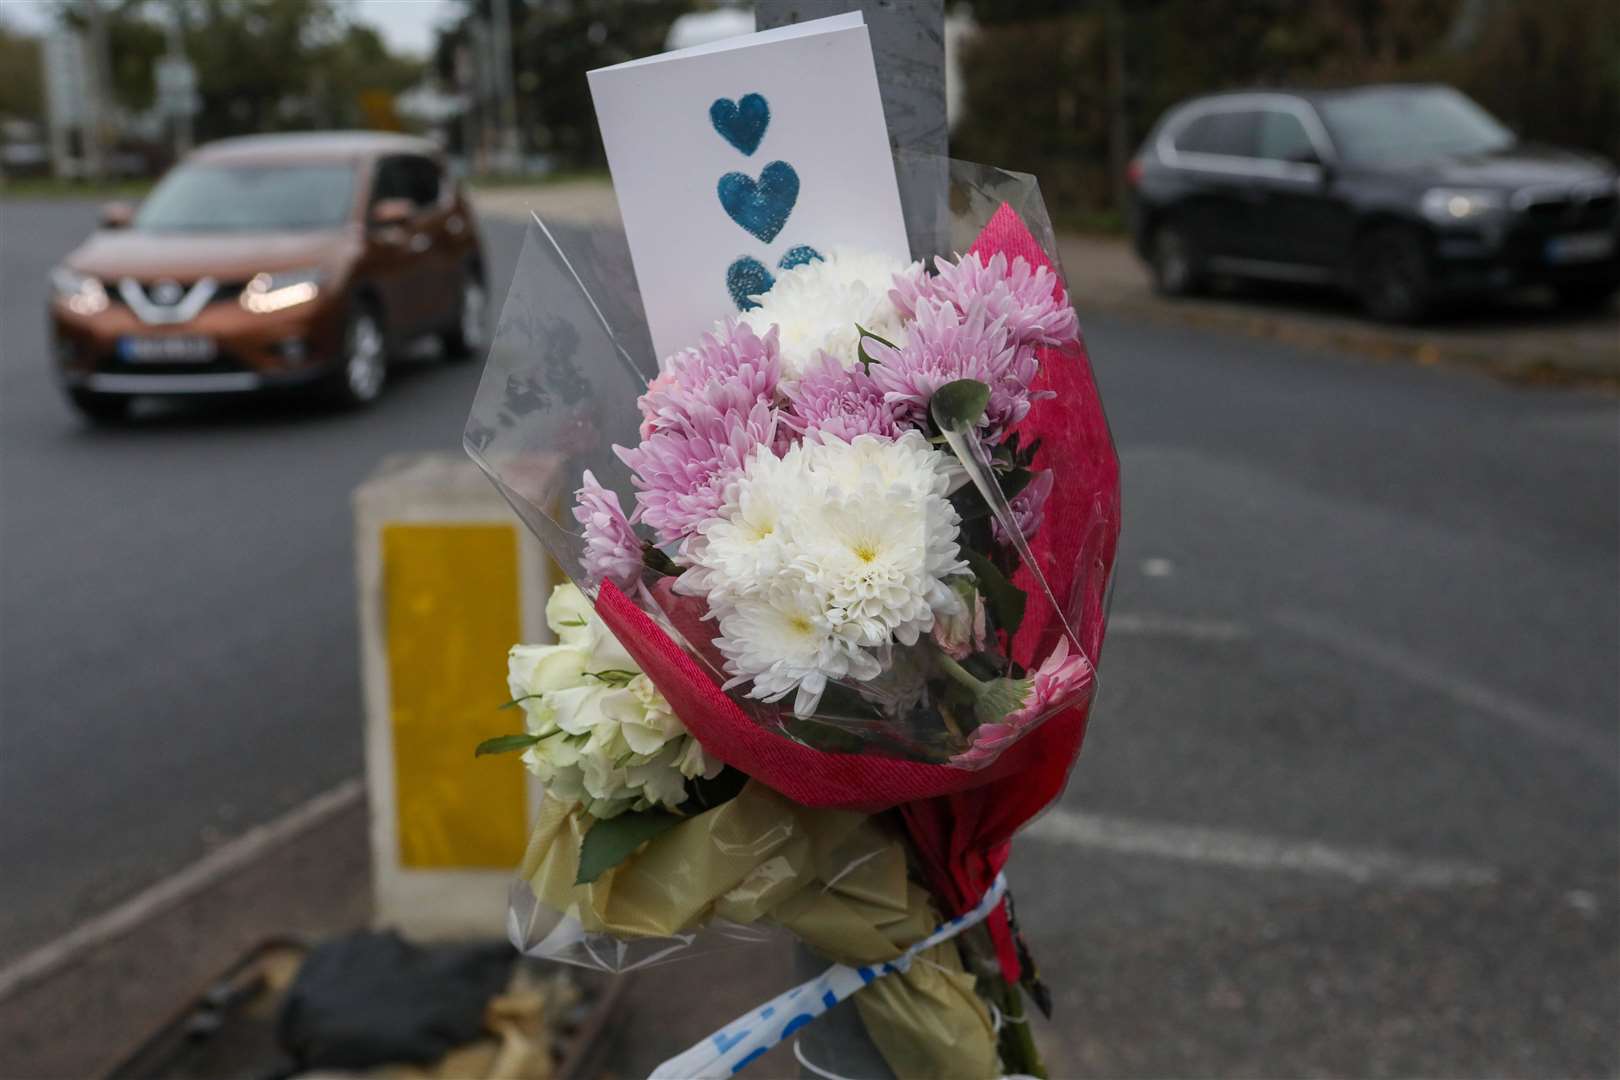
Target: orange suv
[271,261]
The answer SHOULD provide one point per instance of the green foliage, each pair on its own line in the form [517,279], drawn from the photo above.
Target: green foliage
[958,405]
[553,45]
[1006,600]
[262,65]
[1037,74]
[505,744]
[21,91]
[610,842]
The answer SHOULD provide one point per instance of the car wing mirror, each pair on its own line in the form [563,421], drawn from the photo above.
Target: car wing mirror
[392,212]
[117,215]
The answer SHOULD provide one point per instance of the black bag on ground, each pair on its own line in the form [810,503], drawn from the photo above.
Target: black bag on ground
[373,998]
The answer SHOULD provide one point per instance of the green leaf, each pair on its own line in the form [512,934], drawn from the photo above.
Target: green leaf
[610,842]
[1013,482]
[575,621]
[655,560]
[515,702]
[505,744]
[860,344]
[1006,600]
[959,405]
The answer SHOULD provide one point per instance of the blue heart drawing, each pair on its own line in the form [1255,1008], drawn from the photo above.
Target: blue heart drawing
[747,277]
[741,123]
[798,256]
[762,207]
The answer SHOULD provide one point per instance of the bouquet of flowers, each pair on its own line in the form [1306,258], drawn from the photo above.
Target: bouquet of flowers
[838,552]
[839,581]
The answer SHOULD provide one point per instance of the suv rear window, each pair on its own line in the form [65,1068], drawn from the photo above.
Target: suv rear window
[1227,131]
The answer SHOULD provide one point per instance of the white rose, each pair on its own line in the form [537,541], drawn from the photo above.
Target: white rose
[609,740]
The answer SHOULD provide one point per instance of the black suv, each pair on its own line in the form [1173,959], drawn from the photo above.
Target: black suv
[1402,194]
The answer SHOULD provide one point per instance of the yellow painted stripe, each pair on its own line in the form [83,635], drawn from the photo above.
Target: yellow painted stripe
[453,609]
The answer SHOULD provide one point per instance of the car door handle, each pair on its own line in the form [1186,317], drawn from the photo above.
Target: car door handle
[421,242]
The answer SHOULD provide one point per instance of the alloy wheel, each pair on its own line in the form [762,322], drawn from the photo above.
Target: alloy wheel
[366,366]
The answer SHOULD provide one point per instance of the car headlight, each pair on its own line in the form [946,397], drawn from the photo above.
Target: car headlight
[1448,206]
[273,292]
[83,294]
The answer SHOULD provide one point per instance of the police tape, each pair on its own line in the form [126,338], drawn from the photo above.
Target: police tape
[737,1045]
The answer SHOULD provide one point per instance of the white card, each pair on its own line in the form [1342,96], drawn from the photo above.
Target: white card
[734,159]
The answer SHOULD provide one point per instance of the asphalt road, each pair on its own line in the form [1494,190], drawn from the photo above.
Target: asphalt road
[1350,803]
[178,637]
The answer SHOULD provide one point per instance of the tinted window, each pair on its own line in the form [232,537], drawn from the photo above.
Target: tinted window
[1229,131]
[244,198]
[1282,138]
[1409,123]
[407,177]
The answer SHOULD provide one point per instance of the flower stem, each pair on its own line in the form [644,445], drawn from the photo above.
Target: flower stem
[958,674]
[1016,1042]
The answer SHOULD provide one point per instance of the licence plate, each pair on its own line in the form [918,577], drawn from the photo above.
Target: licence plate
[1580,247]
[166,350]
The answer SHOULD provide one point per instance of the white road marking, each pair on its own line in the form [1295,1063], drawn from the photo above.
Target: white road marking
[1250,851]
[1147,624]
[217,864]
[1544,724]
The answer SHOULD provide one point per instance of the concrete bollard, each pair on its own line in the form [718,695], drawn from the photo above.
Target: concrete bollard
[448,580]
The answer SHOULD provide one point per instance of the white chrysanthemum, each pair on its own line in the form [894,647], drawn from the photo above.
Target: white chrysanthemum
[861,544]
[786,638]
[816,306]
[607,738]
[744,546]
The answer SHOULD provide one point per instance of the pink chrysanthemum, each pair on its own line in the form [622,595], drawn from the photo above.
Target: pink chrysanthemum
[839,401]
[1031,302]
[681,472]
[729,370]
[1058,683]
[1028,507]
[945,345]
[612,548]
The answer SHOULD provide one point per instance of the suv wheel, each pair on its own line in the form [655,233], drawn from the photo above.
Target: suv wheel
[1177,270]
[469,335]
[100,408]
[360,377]
[1391,275]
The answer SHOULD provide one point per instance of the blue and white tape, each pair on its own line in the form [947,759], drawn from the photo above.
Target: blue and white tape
[747,1038]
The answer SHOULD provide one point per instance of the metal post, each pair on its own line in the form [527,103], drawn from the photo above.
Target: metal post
[98,113]
[505,86]
[908,44]
[177,51]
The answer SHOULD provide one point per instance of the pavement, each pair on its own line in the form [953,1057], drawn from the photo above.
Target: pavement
[1523,338]
[1348,806]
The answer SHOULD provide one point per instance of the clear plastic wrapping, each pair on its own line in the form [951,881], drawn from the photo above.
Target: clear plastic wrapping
[571,357]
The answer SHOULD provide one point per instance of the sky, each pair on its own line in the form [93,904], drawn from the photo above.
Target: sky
[406,25]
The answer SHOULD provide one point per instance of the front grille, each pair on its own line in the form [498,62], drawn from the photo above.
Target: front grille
[226,292]
[1572,211]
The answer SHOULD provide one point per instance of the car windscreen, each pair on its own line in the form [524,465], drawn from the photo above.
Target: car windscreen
[250,198]
[1373,127]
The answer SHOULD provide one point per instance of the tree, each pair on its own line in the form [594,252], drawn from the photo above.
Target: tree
[22,95]
[554,43]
